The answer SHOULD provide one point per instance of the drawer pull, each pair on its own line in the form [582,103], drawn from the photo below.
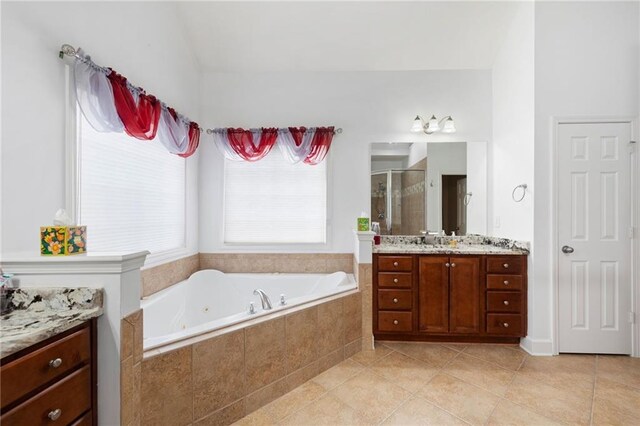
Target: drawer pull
[506,266]
[55,363]
[395,280]
[505,324]
[395,322]
[447,264]
[54,414]
[506,282]
[395,263]
[453,265]
[395,300]
[506,302]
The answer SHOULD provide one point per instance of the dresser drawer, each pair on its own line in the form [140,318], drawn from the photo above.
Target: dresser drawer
[395,279]
[504,264]
[85,420]
[35,369]
[504,301]
[71,396]
[394,321]
[504,282]
[395,299]
[504,324]
[395,263]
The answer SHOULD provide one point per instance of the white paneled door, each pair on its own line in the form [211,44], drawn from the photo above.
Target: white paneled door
[594,220]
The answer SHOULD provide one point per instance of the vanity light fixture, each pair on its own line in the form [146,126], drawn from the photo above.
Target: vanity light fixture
[445,125]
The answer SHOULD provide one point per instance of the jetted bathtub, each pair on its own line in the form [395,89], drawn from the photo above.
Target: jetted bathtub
[211,300]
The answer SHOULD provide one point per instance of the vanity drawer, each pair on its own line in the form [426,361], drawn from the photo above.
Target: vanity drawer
[504,282]
[395,299]
[395,263]
[504,324]
[71,395]
[504,264]
[394,321]
[31,371]
[504,301]
[391,279]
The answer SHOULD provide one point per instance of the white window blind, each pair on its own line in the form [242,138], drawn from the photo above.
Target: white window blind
[274,202]
[132,193]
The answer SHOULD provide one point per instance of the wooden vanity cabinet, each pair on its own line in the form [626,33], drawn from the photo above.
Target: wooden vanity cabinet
[52,382]
[469,298]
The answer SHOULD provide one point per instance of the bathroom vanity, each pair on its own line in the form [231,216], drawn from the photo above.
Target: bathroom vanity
[468,293]
[49,357]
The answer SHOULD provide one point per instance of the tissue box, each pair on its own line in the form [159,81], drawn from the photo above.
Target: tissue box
[63,240]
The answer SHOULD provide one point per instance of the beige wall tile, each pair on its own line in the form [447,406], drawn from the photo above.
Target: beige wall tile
[352,317]
[301,332]
[126,339]
[137,393]
[218,373]
[166,388]
[303,375]
[330,327]
[278,262]
[127,404]
[328,361]
[352,348]
[225,416]
[135,320]
[265,353]
[165,275]
[265,395]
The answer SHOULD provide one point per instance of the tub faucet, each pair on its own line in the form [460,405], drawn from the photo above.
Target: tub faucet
[266,303]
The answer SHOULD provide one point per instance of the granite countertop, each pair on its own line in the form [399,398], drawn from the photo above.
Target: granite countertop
[468,244]
[39,313]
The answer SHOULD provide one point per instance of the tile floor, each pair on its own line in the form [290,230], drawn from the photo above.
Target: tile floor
[457,384]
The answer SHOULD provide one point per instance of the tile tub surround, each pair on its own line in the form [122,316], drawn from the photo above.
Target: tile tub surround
[130,368]
[324,263]
[221,379]
[157,278]
[468,244]
[39,313]
[428,383]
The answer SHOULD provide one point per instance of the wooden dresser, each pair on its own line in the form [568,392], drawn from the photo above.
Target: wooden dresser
[52,382]
[439,297]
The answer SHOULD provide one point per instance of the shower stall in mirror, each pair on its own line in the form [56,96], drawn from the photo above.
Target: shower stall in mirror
[398,200]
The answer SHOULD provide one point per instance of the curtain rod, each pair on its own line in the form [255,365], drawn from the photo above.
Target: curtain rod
[68,50]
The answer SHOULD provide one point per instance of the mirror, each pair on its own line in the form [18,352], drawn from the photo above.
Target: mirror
[419,187]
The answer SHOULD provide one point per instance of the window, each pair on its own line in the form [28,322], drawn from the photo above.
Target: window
[132,193]
[274,202]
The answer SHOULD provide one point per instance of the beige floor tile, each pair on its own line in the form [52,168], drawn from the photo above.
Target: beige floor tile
[328,410]
[509,414]
[615,403]
[582,363]
[570,407]
[293,401]
[404,371]
[460,398]
[484,374]
[549,371]
[418,411]
[257,418]
[372,396]
[456,346]
[510,357]
[369,357]
[622,369]
[339,374]
[433,353]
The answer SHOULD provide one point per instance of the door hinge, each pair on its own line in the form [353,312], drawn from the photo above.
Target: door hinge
[632,147]
[632,317]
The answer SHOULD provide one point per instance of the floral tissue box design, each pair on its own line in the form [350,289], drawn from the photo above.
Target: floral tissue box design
[63,240]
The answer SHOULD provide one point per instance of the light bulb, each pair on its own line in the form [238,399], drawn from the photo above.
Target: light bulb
[449,126]
[417,125]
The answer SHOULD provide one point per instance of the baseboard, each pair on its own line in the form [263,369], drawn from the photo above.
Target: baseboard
[538,347]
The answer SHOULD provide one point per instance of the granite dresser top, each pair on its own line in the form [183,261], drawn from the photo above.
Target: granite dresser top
[468,244]
[39,313]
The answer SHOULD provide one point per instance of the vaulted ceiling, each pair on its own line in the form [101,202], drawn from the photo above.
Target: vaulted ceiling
[345,36]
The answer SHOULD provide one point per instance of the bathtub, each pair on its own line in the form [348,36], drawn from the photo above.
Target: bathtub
[210,300]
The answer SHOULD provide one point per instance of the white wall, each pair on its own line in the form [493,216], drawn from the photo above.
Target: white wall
[369,106]
[143,41]
[586,65]
[447,159]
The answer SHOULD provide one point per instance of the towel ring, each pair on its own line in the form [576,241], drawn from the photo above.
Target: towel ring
[467,198]
[524,192]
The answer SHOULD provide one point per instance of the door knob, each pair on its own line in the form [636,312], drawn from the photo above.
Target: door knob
[567,249]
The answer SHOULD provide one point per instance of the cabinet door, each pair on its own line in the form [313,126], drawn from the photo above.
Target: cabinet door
[433,292]
[464,279]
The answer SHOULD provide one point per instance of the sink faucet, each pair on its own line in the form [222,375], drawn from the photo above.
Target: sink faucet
[266,303]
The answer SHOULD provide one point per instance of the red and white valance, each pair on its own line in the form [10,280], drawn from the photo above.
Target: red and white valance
[111,104]
[296,144]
